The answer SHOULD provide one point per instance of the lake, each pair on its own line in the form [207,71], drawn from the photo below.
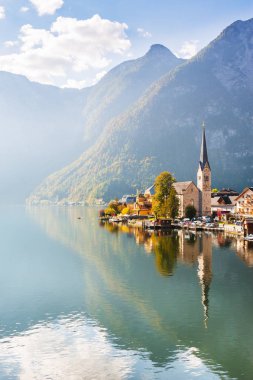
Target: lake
[84,300]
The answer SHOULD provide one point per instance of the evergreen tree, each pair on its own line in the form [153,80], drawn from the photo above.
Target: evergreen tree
[190,211]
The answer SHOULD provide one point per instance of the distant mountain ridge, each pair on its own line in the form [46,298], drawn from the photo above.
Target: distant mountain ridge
[161,131]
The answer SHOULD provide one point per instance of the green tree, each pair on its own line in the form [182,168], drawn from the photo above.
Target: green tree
[163,198]
[173,203]
[190,211]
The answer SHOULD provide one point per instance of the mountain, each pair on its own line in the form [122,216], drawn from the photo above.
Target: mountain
[122,86]
[41,130]
[161,131]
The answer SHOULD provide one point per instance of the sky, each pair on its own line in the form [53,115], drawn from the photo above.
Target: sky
[73,43]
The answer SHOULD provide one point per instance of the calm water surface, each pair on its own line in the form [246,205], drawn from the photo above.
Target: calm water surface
[79,300]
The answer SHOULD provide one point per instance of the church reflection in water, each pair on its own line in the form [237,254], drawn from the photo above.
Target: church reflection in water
[187,247]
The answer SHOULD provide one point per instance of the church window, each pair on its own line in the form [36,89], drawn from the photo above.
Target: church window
[206,178]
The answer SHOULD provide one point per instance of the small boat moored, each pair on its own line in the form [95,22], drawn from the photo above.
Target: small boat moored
[249,237]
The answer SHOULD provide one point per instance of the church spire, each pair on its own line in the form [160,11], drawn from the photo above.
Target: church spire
[203,153]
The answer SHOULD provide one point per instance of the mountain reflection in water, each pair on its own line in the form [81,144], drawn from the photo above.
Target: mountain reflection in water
[180,303]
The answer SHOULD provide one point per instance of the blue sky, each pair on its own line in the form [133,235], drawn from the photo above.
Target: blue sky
[73,43]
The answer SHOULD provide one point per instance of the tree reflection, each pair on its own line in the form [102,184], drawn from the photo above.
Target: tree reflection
[166,250]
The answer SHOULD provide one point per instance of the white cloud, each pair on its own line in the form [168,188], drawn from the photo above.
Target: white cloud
[2,12]
[24,9]
[144,33]
[71,50]
[189,49]
[100,75]
[44,7]
[10,43]
[73,83]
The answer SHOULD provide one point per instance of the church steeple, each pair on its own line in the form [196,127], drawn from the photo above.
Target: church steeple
[204,179]
[203,152]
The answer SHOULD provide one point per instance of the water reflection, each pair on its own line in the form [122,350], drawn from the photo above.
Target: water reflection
[77,348]
[172,246]
[164,295]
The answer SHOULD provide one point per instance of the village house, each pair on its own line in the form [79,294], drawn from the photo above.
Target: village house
[223,203]
[143,205]
[244,202]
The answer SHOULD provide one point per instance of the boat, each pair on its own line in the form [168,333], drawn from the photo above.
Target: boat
[115,220]
[157,224]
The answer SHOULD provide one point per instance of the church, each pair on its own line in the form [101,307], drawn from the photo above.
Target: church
[188,193]
[198,196]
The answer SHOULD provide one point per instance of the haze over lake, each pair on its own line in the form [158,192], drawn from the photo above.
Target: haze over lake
[83,300]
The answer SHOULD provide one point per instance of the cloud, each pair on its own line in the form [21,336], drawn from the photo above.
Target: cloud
[71,50]
[144,33]
[2,12]
[44,7]
[24,9]
[73,348]
[73,83]
[64,350]
[100,75]
[10,43]
[189,49]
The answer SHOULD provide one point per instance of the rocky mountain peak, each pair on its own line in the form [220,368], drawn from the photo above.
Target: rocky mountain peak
[230,55]
[158,50]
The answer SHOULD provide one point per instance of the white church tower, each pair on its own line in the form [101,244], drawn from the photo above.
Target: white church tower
[204,179]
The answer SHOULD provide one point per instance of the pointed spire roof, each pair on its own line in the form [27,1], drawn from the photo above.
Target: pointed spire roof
[203,153]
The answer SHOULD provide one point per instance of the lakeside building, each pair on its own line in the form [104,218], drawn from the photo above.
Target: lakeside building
[223,202]
[223,205]
[244,202]
[198,195]
[188,194]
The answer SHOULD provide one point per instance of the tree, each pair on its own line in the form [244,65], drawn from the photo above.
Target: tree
[173,204]
[164,199]
[190,211]
[114,208]
[126,211]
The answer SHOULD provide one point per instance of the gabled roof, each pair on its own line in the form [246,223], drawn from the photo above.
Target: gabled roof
[182,186]
[178,186]
[224,200]
[243,192]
